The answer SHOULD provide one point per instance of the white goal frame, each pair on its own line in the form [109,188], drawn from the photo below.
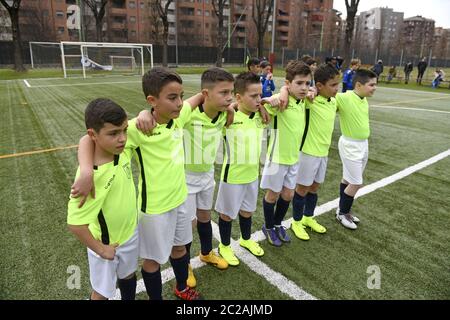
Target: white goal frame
[133,61]
[83,45]
[30,45]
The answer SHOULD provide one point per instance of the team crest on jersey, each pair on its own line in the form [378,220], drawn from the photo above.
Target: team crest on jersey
[177,134]
[127,169]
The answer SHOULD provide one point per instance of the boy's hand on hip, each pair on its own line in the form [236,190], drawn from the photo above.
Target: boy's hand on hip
[109,251]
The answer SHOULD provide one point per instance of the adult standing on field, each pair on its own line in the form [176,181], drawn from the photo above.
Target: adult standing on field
[378,68]
[421,67]
[408,69]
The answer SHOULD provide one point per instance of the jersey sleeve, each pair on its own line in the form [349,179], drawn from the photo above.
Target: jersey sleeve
[88,213]
[185,114]
[339,98]
[270,109]
[133,135]
[308,104]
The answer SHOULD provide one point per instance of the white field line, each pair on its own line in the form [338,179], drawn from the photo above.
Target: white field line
[26,83]
[405,108]
[273,277]
[94,83]
[410,91]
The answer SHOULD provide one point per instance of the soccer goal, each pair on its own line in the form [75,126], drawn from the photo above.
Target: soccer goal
[92,58]
[103,58]
[45,54]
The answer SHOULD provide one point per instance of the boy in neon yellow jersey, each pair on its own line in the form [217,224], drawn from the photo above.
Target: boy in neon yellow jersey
[164,225]
[280,170]
[238,188]
[107,225]
[353,144]
[314,147]
[201,141]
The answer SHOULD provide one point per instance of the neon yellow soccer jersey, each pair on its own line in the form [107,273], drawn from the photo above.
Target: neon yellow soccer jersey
[162,183]
[112,215]
[320,116]
[353,115]
[287,130]
[242,141]
[202,139]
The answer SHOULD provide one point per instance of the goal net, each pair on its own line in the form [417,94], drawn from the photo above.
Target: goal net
[92,58]
[45,55]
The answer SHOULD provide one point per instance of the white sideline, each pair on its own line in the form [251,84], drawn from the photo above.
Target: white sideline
[411,91]
[90,83]
[405,108]
[275,278]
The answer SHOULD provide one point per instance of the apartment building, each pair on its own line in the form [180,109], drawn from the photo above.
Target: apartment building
[379,29]
[418,34]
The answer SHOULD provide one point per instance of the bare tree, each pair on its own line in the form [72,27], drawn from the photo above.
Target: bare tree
[262,10]
[155,23]
[98,9]
[163,12]
[13,11]
[218,6]
[38,27]
[352,9]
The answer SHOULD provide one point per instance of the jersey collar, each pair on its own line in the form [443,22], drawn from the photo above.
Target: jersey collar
[362,98]
[116,161]
[169,124]
[200,108]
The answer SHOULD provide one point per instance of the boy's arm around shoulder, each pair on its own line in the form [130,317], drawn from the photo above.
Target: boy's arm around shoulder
[84,184]
[145,122]
[196,100]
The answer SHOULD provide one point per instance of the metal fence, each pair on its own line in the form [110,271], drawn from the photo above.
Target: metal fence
[205,55]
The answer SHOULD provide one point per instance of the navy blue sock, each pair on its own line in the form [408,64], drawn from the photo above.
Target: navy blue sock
[345,203]
[280,212]
[342,187]
[298,204]
[268,209]
[310,203]
[128,288]
[153,284]
[225,231]
[180,269]
[246,227]
[205,234]
[188,250]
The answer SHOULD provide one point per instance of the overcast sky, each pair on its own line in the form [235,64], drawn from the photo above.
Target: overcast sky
[438,10]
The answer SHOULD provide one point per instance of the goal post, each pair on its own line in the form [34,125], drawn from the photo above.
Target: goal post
[99,56]
[44,54]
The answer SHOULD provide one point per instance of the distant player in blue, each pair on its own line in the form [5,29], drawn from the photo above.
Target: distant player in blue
[347,80]
[268,86]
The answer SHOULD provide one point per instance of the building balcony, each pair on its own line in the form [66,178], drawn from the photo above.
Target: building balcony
[117,11]
[118,25]
[282,28]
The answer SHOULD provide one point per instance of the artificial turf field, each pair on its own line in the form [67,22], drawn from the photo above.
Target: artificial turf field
[404,231]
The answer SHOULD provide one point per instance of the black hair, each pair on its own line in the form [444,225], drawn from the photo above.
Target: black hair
[101,111]
[308,60]
[155,79]
[363,76]
[243,80]
[325,72]
[295,68]
[264,64]
[214,75]
[252,62]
